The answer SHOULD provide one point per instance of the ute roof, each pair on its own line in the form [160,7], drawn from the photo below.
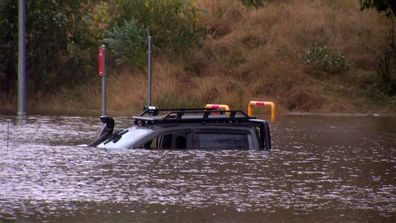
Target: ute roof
[173,116]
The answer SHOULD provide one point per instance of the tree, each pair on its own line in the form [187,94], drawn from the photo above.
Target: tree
[8,45]
[386,70]
[171,23]
[387,6]
[60,44]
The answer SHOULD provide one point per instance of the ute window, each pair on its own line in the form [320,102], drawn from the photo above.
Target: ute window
[214,140]
[176,140]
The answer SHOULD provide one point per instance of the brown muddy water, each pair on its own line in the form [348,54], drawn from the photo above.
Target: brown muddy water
[321,169]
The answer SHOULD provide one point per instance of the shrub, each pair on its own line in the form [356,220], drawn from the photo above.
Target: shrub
[326,60]
[253,3]
[386,70]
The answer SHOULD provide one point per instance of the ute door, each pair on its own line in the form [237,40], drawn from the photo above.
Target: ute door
[263,133]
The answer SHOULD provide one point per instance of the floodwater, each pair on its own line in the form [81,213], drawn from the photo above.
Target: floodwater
[321,169]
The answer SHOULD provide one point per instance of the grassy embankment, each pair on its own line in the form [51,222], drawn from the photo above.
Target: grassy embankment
[254,55]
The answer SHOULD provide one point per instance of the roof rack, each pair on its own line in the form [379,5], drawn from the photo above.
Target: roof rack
[156,111]
[194,115]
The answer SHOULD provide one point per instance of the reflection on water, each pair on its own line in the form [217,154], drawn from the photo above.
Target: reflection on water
[321,169]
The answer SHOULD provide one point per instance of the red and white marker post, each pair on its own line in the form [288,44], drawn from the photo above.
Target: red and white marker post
[102,74]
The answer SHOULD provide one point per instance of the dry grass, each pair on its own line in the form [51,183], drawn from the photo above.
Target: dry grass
[261,51]
[255,55]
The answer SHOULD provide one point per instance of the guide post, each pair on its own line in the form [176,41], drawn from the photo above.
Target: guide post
[102,74]
[149,70]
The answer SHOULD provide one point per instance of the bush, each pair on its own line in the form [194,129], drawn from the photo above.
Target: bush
[326,60]
[253,3]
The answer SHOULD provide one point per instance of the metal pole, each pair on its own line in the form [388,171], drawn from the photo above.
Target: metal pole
[149,68]
[22,57]
[8,132]
[104,95]
[104,81]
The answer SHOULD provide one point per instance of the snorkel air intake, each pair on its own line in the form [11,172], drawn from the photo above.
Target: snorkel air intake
[106,131]
[109,125]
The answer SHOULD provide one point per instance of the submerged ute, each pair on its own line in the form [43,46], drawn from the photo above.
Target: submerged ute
[106,131]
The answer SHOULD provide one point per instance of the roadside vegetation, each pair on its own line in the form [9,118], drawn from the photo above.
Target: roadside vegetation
[311,56]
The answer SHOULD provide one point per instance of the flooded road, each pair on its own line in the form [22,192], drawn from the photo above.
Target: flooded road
[321,169]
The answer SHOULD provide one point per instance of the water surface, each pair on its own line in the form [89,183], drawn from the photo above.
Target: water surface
[321,168]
